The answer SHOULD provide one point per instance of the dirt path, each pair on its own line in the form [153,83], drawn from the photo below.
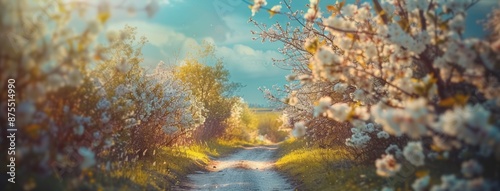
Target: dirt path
[249,169]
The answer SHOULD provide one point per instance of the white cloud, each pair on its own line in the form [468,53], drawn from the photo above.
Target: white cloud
[250,62]
[165,38]
[239,59]
[239,29]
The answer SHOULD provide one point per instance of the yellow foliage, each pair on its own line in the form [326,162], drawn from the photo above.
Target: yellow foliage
[436,148]
[61,7]
[457,99]
[404,24]
[424,87]
[361,61]
[313,46]
[271,13]
[33,130]
[352,36]
[310,65]
[335,9]
[421,173]
[103,16]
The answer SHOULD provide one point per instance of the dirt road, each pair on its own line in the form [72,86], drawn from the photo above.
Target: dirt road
[249,169]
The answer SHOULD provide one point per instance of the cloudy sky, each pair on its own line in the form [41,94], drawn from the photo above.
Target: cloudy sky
[181,24]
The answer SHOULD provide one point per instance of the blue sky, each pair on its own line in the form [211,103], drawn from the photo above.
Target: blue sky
[181,24]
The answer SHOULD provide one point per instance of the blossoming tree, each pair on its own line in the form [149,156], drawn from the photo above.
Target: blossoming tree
[397,69]
[83,103]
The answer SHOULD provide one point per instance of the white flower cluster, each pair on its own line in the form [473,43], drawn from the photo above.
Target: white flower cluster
[338,111]
[88,157]
[293,99]
[324,104]
[360,135]
[471,125]
[323,61]
[178,106]
[313,11]
[394,150]
[412,120]
[382,134]
[471,168]
[122,89]
[451,182]
[103,104]
[413,152]
[299,129]
[421,183]
[361,96]
[387,166]
[406,61]
[257,4]
[276,8]
[400,37]
[358,139]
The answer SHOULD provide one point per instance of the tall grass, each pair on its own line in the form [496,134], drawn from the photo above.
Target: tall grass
[314,168]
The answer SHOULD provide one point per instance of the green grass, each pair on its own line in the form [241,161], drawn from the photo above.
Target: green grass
[313,168]
[162,171]
[324,169]
[167,168]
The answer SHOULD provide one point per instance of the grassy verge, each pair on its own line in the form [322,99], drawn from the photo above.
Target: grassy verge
[166,169]
[324,169]
[169,167]
[162,171]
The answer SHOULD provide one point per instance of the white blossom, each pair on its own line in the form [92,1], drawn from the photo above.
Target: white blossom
[323,105]
[461,121]
[411,121]
[387,166]
[413,152]
[257,4]
[103,104]
[299,129]
[394,150]
[339,111]
[276,8]
[471,168]
[340,87]
[313,12]
[104,118]
[349,10]
[88,157]
[450,182]
[326,56]
[421,183]
[382,134]
[121,90]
